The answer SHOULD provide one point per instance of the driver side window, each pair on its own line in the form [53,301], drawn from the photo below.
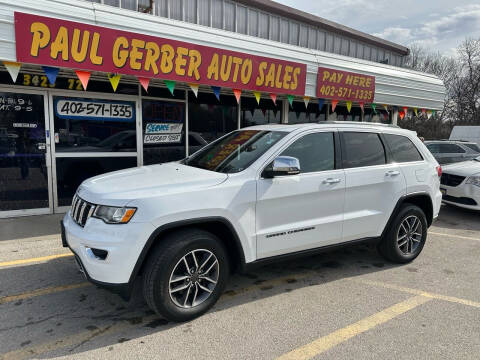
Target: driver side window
[316,152]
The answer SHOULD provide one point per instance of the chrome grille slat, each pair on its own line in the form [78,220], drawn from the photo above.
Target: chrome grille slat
[81,210]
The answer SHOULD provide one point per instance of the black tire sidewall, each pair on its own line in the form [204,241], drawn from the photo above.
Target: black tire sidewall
[395,253]
[161,295]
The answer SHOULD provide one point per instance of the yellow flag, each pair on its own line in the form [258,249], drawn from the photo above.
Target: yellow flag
[114,80]
[306,100]
[349,106]
[257,96]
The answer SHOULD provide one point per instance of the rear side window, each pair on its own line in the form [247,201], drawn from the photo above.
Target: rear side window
[402,148]
[450,148]
[362,149]
[474,147]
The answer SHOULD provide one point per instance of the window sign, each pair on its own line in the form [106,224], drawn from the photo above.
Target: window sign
[71,108]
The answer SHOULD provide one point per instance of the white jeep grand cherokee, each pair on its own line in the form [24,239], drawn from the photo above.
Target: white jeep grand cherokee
[255,195]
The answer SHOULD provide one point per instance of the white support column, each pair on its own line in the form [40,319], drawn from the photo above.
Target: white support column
[239,113]
[395,116]
[286,109]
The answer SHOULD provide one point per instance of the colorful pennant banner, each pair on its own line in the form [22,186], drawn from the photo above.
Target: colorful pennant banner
[144,82]
[257,96]
[13,69]
[114,80]
[306,101]
[349,106]
[52,73]
[238,94]
[274,98]
[374,107]
[84,77]
[362,106]
[334,105]
[321,102]
[194,88]
[170,84]
[290,99]
[415,110]
[216,91]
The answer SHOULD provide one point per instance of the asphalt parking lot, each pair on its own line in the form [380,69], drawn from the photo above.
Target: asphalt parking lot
[338,305]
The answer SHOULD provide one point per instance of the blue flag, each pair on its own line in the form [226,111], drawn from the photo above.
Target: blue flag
[216,91]
[51,73]
[320,104]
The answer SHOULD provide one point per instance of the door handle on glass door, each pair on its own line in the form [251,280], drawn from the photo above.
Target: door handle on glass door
[393,173]
[331,181]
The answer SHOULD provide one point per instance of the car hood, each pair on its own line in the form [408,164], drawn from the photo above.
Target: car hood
[119,187]
[465,168]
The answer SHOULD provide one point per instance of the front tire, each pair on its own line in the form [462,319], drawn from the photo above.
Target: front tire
[406,237]
[185,275]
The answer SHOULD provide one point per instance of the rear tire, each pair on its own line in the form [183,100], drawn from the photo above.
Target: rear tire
[406,237]
[185,275]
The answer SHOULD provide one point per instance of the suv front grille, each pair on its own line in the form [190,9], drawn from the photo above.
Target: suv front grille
[451,180]
[81,210]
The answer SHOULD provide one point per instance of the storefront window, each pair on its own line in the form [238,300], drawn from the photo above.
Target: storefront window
[163,131]
[341,114]
[298,114]
[93,125]
[210,119]
[23,170]
[71,172]
[265,113]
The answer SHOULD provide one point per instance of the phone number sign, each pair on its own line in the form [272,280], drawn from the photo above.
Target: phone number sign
[94,110]
[344,85]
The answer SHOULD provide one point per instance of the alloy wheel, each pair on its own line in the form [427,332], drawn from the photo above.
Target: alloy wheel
[409,236]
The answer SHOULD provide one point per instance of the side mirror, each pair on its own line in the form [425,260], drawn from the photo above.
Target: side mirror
[282,166]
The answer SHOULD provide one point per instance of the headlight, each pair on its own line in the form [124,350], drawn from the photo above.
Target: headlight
[114,215]
[474,180]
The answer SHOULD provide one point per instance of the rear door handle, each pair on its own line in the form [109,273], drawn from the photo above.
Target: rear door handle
[331,181]
[393,173]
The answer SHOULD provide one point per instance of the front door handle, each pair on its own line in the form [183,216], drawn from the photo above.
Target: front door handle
[393,173]
[331,181]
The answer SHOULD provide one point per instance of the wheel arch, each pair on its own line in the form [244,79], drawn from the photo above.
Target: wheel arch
[421,199]
[219,226]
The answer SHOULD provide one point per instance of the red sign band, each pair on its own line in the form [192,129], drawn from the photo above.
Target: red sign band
[54,42]
[344,85]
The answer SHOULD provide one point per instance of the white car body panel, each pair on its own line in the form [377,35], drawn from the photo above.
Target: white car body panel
[307,211]
[464,190]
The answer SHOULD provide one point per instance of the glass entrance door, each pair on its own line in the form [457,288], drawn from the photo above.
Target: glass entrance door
[24,154]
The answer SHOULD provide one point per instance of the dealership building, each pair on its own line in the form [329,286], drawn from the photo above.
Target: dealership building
[88,87]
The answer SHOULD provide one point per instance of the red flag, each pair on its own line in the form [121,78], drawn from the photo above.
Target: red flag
[84,77]
[145,82]
[237,93]
[274,98]
[334,105]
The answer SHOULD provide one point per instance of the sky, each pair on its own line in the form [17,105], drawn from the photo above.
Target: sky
[439,25]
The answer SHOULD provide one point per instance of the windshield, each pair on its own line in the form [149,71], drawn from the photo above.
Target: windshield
[234,152]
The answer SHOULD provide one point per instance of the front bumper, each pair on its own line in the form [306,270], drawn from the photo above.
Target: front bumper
[466,196]
[124,243]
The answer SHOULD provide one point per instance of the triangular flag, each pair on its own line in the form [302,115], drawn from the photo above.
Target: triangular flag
[238,94]
[385,107]
[374,107]
[320,104]
[405,110]
[114,80]
[274,98]
[170,84]
[349,106]
[334,105]
[257,96]
[216,91]
[306,100]
[424,111]
[84,76]
[13,69]
[401,114]
[429,114]
[415,110]
[290,99]
[51,73]
[144,82]
[194,88]
[362,106]
[433,112]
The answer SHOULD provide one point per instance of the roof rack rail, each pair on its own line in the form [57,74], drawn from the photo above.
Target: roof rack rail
[364,123]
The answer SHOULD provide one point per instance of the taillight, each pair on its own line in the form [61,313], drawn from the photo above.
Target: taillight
[439,171]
